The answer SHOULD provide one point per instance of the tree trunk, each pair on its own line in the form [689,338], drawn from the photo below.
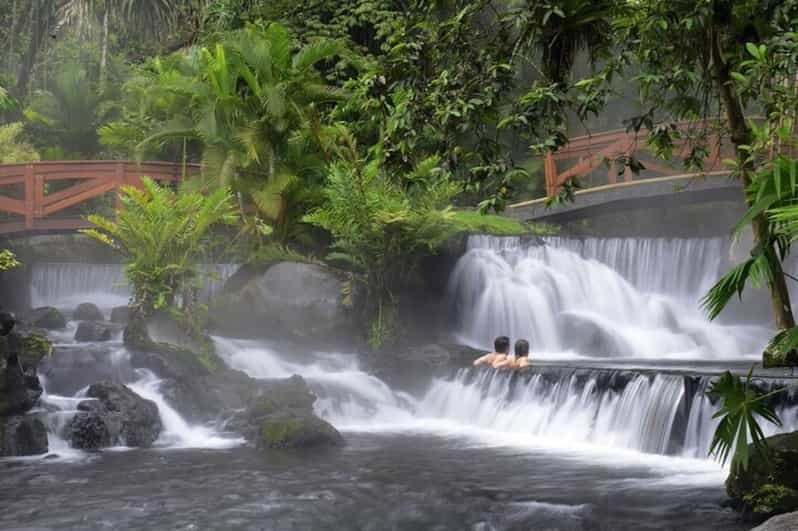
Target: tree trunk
[29,58]
[104,51]
[740,136]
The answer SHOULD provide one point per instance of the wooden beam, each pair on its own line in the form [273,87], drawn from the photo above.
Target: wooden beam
[14,206]
[71,191]
[79,198]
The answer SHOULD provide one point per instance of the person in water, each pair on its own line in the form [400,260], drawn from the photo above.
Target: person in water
[501,346]
[520,360]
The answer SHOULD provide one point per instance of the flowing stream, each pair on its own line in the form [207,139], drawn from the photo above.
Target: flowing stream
[598,434]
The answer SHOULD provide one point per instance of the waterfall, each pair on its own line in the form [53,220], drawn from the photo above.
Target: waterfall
[655,413]
[347,396]
[635,298]
[65,285]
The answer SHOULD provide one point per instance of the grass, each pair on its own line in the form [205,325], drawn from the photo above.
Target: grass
[474,222]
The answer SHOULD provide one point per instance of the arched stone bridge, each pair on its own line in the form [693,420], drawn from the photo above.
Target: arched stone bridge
[47,196]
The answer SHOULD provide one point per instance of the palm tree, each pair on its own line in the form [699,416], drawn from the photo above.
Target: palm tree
[144,17]
[253,100]
[559,30]
[68,113]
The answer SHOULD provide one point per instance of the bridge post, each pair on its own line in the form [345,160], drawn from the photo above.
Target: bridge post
[550,173]
[29,196]
[120,181]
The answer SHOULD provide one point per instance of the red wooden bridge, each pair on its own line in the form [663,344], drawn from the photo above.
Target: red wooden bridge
[53,196]
[57,196]
[594,160]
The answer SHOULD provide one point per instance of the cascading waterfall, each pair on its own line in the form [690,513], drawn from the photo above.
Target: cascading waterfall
[347,396]
[596,298]
[652,413]
[176,433]
[65,285]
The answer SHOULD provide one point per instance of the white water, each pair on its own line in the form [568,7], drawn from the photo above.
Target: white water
[65,285]
[636,295]
[566,299]
[177,433]
[346,394]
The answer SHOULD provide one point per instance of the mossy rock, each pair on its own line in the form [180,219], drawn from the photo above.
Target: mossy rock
[48,318]
[136,336]
[297,432]
[88,311]
[770,481]
[770,499]
[779,358]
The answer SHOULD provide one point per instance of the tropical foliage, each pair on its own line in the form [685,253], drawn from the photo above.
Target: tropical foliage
[380,222]
[12,147]
[163,234]
[8,260]
[741,406]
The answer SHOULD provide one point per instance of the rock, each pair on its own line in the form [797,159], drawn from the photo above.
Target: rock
[22,435]
[588,336]
[92,331]
[116,416]
[281,416]
[290,300]
[73,367]
[120,315]
[46,317]
[20,388]
[88,312]
[768,486]
[297,432]
[782,522]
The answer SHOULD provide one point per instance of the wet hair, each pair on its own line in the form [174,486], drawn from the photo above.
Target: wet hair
[521,348]
[501,344]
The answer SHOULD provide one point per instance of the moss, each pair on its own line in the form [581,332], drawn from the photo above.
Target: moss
[779,358]
[770,499]
[282,432]
[35,347]
[472,221]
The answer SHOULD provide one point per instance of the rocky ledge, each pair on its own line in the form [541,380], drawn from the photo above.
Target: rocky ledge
[114,415]
[769,485]
[21,433]
[200,386]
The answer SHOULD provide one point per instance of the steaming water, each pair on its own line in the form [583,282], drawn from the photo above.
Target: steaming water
[177,433]
[65,285]
[596,298]
[547,447]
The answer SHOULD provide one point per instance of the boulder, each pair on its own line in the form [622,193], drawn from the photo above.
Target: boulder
[87,312]
[92,331]
[782,522]
[588,336]
[297,432]
[120,315]
[290,300]
[20,388]
[22,435]
[769,486]
[282,416]
[74,367]
[117,415]
[46,317]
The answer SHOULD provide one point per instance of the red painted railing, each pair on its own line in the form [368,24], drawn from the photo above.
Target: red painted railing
[589,155]
[29,204]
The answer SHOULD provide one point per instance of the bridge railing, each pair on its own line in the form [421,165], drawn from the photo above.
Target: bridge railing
[594,159]
[43,195]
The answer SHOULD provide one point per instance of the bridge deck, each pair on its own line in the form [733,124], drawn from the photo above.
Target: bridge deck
[660,191]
